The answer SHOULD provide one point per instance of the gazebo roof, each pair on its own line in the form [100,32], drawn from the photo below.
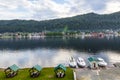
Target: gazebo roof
[14,67]
[37,67]
[92,59]
[60,66]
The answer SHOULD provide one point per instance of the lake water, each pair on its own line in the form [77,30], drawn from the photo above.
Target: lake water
[55,50]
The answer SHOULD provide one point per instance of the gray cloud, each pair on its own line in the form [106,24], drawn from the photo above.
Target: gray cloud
[44,14]
[50,9]
[96,5]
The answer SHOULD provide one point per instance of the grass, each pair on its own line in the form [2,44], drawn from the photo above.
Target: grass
[46,74]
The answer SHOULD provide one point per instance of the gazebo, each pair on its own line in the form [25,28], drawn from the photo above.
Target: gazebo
[35,71]
[11,71]
[93,63]
[60,70]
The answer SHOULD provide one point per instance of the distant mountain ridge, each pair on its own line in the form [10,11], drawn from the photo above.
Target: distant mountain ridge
[90,21]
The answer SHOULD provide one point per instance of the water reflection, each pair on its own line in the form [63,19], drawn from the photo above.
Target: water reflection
[91,45]
[53,51]
[49,57]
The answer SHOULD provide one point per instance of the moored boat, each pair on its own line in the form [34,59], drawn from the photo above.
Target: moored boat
[101,62]
[72,62]
[81,62]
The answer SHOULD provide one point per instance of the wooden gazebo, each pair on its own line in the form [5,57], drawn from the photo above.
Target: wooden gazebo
[11,71]
[60,70]
[35,71]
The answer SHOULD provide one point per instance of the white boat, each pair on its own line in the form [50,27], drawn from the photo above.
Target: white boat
[101,62]
[72,62]
[81,62]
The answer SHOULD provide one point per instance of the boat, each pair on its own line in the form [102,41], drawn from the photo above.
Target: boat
[72,62]
[81,62]
[101,62]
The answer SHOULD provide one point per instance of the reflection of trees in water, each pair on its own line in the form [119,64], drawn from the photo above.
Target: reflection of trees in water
[45,56]
[50,57]
[87,44]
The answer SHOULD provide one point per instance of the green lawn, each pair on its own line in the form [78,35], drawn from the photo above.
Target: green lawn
[46,74]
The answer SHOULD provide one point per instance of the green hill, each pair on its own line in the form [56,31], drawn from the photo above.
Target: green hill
[90,21]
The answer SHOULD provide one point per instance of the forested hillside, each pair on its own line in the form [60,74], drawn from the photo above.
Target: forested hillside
[90,21]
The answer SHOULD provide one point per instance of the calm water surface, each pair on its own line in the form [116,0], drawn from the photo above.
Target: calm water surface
[52,51]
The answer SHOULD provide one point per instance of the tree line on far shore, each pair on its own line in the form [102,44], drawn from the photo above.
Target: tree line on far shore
[90,21]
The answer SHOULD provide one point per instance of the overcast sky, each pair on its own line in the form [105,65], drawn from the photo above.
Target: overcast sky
[50,9]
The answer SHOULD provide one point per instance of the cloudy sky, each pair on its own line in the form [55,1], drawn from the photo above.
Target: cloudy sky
[50,9]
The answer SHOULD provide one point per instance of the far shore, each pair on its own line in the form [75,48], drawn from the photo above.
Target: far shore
[43,34]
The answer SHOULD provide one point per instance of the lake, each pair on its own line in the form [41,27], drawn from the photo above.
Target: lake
[51,51]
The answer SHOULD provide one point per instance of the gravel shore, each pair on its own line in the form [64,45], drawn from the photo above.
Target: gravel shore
[100,74]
